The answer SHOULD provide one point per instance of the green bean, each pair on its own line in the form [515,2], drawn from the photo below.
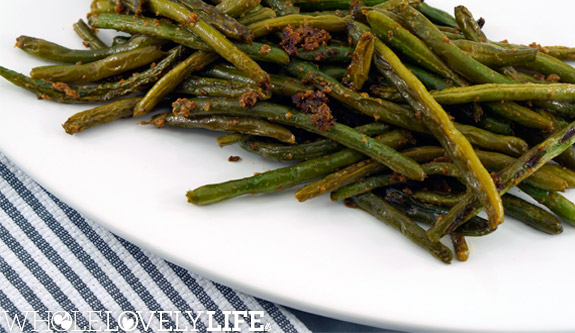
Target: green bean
[63,93]
[531,215]
[560,52]
[394,4]
[429,80]
[101,7]
[396,114]
[180,35]
[386,92]
[520,114]
[327,53]
[236,8]
[338,179]
[241,125]
[510,176]
[400,39]
[201,86]
[565,173]
[437,15]
[546,64]
[494,56]
[285,153]
[97,70]
[53,52]
[330,23]
[212,37]
[279,179]
[567,158]
[149,27]
[306,151]
[454,36]
[557,203]
[172,79]
[545,177]
[430,214]
[559,108]
[260,15]
[495,125]
[343,134]
[265,52]
[280,85]
[393,217]
[439,123]
[460,246]
[337,12]
[100,115]
[366,185]
[336,72]
[453,56]
[515,207]
[493,92]
[358,71]
[437,199]
[468,25]
[282,7]
[311,5]
[90,39]
[420,154]
[230,139]
[224,23]
[378,109]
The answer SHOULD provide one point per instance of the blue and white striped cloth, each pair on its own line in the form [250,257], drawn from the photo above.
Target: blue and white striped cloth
[61,271]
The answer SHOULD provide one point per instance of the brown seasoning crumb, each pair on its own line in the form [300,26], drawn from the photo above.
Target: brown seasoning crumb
[249,99]
[65,88]
[305,36]
[183,106]
[265,49]
[315,103]
[234,159]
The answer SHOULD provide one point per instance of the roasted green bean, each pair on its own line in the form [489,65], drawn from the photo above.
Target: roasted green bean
[393,217]
[97,70]
[88,36]
[338,132]
[241,125]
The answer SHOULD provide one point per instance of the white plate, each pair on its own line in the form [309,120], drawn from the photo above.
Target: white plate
[316,256]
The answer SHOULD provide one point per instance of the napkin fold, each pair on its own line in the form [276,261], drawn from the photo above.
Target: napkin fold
[62,272]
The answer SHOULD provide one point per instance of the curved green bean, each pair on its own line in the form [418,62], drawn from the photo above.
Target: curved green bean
[393,217]
[343,134]
[97,70]
[241,125]
[88,36]
[224,23]
[330,23]
[306,151]
[510,176]
[279,179]
[556,202]
[531,215]
[212,37]
[53,52]
[172,79]
[100,115]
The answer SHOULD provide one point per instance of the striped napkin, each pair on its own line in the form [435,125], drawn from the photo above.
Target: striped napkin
[61,272]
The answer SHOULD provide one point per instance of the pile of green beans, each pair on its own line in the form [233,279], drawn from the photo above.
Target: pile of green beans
[392,106]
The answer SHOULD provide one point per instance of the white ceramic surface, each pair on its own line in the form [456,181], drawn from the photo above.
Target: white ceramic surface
[316,256]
